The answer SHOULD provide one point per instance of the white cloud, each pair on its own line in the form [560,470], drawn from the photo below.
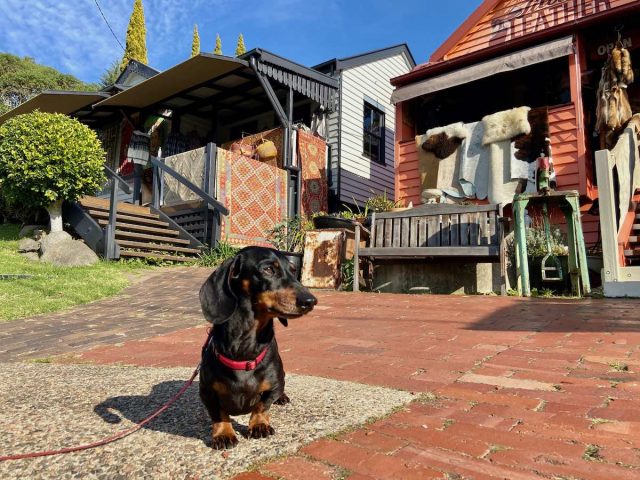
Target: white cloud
[72,36]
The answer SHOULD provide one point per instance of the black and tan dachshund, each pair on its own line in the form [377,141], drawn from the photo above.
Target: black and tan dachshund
[241,370]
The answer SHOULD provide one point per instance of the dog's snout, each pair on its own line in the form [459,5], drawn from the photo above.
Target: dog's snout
[306,301]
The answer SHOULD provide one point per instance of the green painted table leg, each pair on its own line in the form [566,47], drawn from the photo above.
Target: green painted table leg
[571,240]
[580,246]
[522,262]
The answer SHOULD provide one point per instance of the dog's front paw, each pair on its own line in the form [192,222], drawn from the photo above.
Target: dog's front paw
[283,400]
[260,430]
[220,442]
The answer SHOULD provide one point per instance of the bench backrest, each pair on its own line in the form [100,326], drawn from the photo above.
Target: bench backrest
[437,225]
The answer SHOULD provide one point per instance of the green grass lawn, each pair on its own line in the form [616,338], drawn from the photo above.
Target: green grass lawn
[53,288]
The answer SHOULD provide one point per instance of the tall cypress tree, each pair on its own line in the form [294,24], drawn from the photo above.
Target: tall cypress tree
[218,49]
[240,48]
[136,47]
[195,44]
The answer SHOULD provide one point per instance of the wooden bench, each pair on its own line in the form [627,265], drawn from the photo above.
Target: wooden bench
[435,230]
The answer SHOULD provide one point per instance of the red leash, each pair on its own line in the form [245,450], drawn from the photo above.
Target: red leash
[119,435]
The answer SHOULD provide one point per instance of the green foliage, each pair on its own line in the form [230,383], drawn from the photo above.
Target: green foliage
[289,235]
[379,203]
[347,271]
[110,75]
[537,243]
[45,157]
[54,288]
[356,211]
[136,46]
[240,48]
[195,43]
[218,49]
[217,255]
[23,78]
[11,211]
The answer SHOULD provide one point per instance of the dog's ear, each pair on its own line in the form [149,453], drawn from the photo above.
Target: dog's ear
[284,321]
[218,299]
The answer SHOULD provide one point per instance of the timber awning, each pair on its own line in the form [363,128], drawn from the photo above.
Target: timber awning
[76,104]
[506,63]
[208,83]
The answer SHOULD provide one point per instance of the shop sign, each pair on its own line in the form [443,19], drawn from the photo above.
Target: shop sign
[533,16]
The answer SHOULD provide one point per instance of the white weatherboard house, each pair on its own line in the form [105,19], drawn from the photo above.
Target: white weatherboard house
[361,130]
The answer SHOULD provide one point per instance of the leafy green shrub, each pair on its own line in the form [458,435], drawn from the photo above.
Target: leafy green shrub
[537,243]
[217,255]
[288,236]
[46,158]
[17,212]
[379,203]
[347,272]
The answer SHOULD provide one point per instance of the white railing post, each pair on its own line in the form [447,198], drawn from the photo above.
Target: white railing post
[608,223]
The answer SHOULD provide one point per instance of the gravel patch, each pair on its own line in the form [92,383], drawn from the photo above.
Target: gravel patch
[46,406]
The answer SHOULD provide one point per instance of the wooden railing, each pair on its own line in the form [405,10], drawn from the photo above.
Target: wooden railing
[207,194]
[115,182]
[616,214]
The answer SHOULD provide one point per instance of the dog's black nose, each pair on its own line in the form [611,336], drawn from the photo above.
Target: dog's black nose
[306,302]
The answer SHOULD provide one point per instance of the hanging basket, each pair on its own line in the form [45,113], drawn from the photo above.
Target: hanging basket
[266,150]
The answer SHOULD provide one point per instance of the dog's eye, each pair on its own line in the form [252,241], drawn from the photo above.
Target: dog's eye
[269,271]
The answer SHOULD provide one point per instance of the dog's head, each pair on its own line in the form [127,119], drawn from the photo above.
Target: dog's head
[256,276]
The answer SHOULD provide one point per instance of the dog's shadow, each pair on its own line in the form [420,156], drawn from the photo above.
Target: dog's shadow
[187,417]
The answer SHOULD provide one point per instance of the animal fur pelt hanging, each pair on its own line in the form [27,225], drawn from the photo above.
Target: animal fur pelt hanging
[443,141]
[505,125]
[530,146]
[454,130]
[613,109]
[441,145]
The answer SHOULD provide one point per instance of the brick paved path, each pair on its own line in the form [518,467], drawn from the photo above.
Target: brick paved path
[525,389]
[163,301]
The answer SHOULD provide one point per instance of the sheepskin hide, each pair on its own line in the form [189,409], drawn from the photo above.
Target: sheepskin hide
[506,125]
[443,141]
[457,130]
[441,145]
[531,145]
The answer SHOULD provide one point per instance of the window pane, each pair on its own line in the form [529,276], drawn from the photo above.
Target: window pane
[375,149]
[366,149]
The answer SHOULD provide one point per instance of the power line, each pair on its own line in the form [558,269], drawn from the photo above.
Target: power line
[107,22]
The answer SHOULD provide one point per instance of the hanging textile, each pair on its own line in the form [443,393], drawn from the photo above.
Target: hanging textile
[139,146]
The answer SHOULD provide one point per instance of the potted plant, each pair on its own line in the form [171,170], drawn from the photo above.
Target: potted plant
[342,219]
[537,250]
[288,237]
[381,203]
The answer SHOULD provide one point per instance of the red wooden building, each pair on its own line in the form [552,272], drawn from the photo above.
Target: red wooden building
[508,53]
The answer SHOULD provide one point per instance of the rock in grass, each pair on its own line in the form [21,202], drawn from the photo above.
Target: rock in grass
[69,253]
[53,239]
[31,256]
[28,230]
[28,245]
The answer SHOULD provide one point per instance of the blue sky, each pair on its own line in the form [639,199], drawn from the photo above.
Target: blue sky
[71,36]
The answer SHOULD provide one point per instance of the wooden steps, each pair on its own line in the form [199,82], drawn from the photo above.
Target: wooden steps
[154,256]
[125,208]
[157,247]
[151,238]
[103,214]
[632,252]
[141,228]
[140,233]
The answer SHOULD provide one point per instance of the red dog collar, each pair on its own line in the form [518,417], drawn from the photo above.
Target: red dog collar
[241,365]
